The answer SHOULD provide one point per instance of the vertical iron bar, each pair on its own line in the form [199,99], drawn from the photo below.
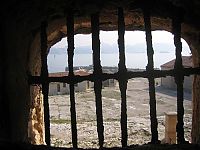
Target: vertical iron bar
[97,76]
[150,70]
[179,77]
[122,76]
[45,82]
[70,40]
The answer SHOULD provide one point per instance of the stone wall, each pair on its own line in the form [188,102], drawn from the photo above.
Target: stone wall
[193,40]
[36,119]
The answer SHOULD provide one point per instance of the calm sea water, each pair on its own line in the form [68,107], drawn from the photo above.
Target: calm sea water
[58,62]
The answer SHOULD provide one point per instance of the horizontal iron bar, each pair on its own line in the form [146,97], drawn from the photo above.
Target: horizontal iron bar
[104,76]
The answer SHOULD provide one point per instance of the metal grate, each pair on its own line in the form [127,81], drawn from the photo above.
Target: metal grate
[122,76]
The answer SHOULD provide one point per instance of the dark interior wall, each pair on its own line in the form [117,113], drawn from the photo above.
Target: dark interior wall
[4,121]
[17,43]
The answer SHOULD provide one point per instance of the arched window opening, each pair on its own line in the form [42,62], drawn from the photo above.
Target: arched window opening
[136,59]
[137,91]
[125,77]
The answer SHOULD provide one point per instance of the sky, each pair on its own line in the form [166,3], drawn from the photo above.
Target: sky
[131,38]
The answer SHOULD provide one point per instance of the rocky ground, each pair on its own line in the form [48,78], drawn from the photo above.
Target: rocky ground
[137,113]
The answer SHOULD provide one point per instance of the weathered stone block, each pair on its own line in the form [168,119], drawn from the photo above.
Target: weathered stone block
[170,127]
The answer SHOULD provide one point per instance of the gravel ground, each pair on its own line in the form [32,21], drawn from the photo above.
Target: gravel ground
[137,113]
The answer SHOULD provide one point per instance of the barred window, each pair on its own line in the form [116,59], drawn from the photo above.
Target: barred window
[123,75]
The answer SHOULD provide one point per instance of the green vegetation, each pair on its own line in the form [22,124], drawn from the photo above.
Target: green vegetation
[60,121]
[111,94]
[65,121]
[111,119]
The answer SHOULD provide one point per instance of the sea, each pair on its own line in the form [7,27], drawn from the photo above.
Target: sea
[58,62]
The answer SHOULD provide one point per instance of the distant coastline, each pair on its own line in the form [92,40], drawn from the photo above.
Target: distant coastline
[110,49]
[136,56]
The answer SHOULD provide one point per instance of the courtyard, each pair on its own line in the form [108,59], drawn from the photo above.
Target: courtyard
[137,115]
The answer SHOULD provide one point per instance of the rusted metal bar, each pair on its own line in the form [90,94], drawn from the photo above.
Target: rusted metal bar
[97,76]
[150,72]
[105,76]
[179,76]
[44,80]
[191,71]
[70,51]
[122,76]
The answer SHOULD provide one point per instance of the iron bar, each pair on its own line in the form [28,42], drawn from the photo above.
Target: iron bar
[44,80]
[122,76]
[97,76]
[70,51]
[150,70]
[105,76]
[179,77]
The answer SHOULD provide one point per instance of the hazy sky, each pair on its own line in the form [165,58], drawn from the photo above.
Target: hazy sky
[111,37]
[131,38]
